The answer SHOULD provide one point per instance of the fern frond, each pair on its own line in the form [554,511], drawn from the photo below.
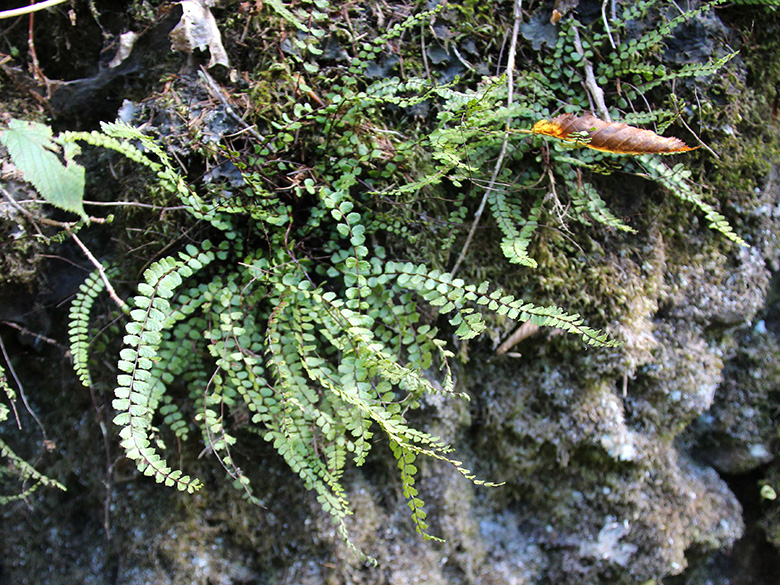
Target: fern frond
[25,473]
[675,180]
[291,433]
[372,50]
[507,215]
[16,466]
[236,344]
[588,205]
[9,394]
[167,175]
[104,140]
[711,67]
[405,458]
[175,356]
[285,13]
[134,392]
[453,294]
[637,47]
[78,324]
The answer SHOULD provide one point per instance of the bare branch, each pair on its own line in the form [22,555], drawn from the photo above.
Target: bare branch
[596,93]
[101,271]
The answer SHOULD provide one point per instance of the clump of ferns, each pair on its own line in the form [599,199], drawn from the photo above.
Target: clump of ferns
[298,317]
[324,350]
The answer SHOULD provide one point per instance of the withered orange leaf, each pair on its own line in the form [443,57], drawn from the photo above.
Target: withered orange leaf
[588,130]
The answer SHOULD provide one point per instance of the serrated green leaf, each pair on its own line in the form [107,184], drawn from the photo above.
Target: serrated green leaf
[34,153]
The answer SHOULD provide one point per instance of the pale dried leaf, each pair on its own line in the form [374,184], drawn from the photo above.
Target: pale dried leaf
[197,29]
[126,42]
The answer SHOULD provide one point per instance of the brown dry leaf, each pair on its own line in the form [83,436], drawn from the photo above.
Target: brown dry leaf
[588,130]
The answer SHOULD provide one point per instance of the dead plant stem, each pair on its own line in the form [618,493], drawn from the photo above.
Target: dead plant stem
[101,271]
[29,9]
[510,80]
[596,93]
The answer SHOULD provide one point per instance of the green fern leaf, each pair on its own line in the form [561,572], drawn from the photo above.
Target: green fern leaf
[435,286]
[675,180]
[136,396]
[15,466]
[78,325]
[588,204]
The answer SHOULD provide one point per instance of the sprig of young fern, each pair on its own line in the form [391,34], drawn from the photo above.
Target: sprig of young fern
[515,242]
[450,294]
[588,205]
[79,324]
[14,465]
[675,180]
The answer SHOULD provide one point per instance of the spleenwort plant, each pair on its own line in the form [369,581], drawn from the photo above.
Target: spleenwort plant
[323,354]
[295,310]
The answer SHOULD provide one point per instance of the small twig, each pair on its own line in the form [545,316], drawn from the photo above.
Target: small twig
[510,69]
[109,467]
[557,206]
[16,205]
[26,331]
[65,225]
[704,144]
[706,147]
[424,53]
[101,271]
[216,90]
[590,80]
[13,373]
[131,204]
[680,10]
[606,23]
[29,9]
[35,65]
[21,393]
[501,54]
[466,64]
